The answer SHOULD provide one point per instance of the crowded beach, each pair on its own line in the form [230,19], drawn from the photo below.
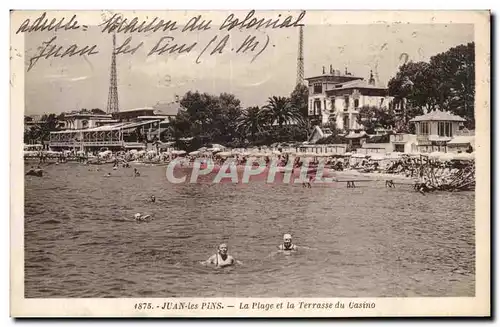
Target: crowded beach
[432,171]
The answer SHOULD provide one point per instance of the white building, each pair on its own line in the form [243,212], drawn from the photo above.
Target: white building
[337,97]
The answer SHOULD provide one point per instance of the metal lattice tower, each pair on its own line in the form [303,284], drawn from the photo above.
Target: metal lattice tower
[300,58]
[113,87]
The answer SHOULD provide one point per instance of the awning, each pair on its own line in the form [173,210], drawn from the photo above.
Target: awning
[462,140]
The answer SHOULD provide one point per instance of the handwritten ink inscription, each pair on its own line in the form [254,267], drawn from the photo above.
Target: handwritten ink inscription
[164,45]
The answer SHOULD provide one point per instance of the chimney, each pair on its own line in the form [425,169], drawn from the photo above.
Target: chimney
[372,80]
[331,70]
[323,70]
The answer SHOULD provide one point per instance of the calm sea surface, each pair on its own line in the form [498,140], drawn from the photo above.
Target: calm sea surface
[368,241]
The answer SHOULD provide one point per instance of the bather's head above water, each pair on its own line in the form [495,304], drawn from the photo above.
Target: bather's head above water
[223,249]
[287,240]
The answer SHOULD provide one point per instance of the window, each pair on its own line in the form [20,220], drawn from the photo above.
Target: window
[333,105]
[356,103]
[346,123]
[346,103]
[424,128]
[399,148]
[318,88]
[317,107]
[444,128]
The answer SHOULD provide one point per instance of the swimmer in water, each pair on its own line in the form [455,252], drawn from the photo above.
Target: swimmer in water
[153,199]
[287,244]
[139,217]
[136,172]
[221,258]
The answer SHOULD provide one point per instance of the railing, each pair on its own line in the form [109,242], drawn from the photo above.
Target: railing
[399,138]
[133,144]
[84,143]
[423,140]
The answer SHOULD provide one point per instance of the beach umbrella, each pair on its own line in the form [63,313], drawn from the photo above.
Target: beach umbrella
[435,155]
[463,156]
[393,155]
[377,156]
[224,154]
[194,153]
[446,156]
[179,152]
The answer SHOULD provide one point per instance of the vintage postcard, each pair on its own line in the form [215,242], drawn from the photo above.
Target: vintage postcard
[250,163]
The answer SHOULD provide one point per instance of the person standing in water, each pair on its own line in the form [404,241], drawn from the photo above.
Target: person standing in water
[287,244]
[221,258]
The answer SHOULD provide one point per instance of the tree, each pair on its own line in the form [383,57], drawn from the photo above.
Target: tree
[455,72]
[41,132]
[414,82]
[447,83]
[208,117]
[224,118]
[299,98]
[250,122]
[98,111]
[371,117]
[279,110]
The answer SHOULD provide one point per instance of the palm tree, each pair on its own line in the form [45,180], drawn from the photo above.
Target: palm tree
[279,110]
[50,123]
[250,122]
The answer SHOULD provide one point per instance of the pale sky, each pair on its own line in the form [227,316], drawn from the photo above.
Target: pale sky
[64,84]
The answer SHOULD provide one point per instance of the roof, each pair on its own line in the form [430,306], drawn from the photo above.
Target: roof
[437,138]
[462,140]
[136,109]
[353,135]
[287,122]
[105,128]
[337,75]
[167,109]
[86,114]
[374,145]
[379,138]
[358,84]
[438,115]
